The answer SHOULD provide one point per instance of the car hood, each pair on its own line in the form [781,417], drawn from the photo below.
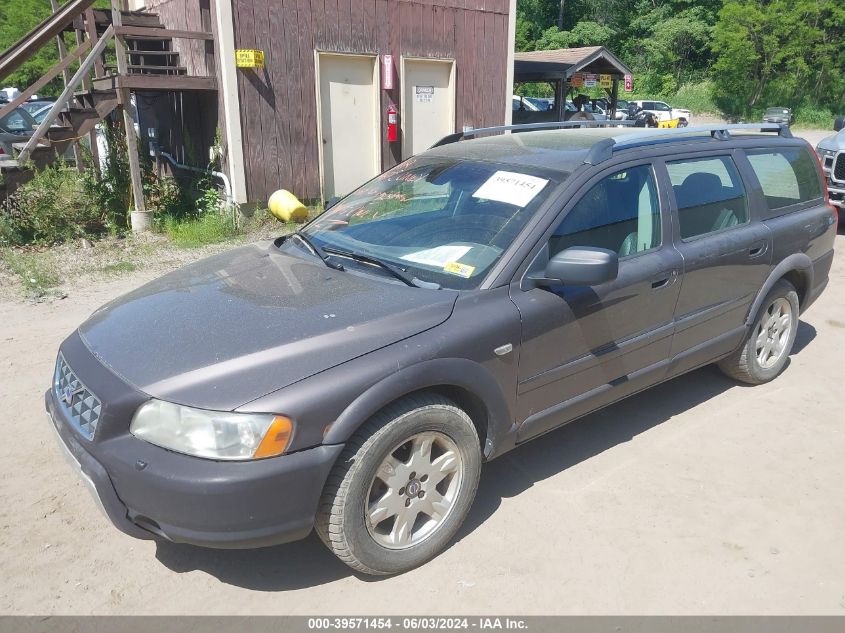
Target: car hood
[834,142]
[234,327]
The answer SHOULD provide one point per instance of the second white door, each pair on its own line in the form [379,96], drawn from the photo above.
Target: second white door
[428,103]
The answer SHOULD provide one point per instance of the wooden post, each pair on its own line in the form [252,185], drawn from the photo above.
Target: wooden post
[91,28]
[88,86]
[614,96]
[60,43]
[141,218]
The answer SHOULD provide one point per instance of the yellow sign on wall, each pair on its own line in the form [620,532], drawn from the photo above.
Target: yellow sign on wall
[247,58]
[606,81]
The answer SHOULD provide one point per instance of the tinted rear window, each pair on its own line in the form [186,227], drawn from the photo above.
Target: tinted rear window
[788,176]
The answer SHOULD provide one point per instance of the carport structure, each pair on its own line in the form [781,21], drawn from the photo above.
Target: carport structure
[559,65]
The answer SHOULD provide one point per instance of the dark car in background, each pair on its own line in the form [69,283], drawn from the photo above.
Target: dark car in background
[353,376]
[779,115]
[15,127]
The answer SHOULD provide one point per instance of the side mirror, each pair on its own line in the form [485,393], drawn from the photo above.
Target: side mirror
[580,266]
[331,202]
[838,123]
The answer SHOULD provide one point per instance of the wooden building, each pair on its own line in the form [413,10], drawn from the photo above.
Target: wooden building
[314,119]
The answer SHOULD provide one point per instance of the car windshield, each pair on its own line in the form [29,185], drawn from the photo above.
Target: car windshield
[440,220]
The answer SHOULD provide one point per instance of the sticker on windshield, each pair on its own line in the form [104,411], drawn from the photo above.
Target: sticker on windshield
[437,257]
[462,270]
[511,188]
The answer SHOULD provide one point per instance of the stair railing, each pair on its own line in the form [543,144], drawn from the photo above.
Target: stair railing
[67,93]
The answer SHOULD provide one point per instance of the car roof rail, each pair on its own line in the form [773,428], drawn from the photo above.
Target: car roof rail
[524,127]
[603,150]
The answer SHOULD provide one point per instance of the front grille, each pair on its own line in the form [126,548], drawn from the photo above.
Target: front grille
[81,406]
[839,167]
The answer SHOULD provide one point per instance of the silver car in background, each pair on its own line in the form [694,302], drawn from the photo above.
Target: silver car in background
[831,151]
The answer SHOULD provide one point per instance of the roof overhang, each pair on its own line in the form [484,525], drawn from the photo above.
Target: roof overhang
[562,63]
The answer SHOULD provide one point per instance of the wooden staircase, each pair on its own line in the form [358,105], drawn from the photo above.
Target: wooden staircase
[146,60]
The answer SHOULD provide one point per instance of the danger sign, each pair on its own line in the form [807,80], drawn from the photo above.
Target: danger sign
[248,58]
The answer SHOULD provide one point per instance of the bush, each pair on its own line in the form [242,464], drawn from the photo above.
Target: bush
[52,207]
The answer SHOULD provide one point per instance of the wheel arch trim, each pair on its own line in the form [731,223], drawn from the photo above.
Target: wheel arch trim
[444,373]
[797,263]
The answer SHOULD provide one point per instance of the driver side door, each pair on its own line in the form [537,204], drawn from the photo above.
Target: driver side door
[585,346]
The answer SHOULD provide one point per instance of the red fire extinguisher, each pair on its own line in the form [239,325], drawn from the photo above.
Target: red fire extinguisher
[392,123]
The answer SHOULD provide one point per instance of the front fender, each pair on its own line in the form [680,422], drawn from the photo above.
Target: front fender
[449,372]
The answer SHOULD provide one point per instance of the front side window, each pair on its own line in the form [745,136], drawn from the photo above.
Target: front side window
[620,213]
[787,176]
[659,105]
[709,195]
[442,220]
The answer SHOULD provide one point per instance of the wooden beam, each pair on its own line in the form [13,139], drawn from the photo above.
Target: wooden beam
[156,83]
[159,34]
[91,28]
[21,51]
[62,48]
[44,80]
[141,218]
[67,93]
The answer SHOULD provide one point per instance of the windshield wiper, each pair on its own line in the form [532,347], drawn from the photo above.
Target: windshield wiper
[319,252]
[393,270]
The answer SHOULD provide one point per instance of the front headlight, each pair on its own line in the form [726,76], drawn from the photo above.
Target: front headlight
[211,434]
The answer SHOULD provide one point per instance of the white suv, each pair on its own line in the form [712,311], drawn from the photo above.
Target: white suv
[664,112]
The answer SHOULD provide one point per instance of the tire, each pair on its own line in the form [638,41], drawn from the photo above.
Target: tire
[683,123]
[766,348]
[363,505]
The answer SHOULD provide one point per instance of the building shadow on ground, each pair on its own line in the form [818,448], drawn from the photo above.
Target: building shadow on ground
[308,563]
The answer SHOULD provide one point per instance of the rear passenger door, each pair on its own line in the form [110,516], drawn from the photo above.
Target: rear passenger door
[726,253]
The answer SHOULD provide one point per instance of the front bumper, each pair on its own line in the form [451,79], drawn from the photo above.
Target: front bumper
[147,491]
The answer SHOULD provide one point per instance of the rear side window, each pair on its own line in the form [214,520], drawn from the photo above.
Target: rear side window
[709,195]
[788,176]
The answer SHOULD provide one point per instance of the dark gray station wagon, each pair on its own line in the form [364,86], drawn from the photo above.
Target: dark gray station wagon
[354,376]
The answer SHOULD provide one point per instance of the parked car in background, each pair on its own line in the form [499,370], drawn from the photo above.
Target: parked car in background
[15,127]
[36,106]
[831,151]
[524,103]
[664,112]
[540,103]
[779,115]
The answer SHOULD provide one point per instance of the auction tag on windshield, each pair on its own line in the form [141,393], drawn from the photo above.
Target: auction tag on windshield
[511,188]
[437,256]
[462,270]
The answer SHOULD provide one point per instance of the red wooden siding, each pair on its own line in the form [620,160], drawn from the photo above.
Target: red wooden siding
[278,103]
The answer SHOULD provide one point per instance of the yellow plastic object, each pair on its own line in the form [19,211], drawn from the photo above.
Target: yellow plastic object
[286,207]
[669,123]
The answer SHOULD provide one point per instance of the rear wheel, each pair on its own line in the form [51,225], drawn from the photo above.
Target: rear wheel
[402,487]
[766,349]
[683,123]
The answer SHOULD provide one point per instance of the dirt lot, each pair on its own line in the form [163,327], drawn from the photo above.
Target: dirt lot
[700,496]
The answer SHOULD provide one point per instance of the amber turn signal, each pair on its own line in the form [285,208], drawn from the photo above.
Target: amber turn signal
[276,438]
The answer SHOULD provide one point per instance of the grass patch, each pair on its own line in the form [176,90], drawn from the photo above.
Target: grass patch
[36,273]
[119,268]
[209,228]
[814,118]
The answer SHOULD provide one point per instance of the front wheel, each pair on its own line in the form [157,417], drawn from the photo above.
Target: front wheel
[402,486]
[683,123]
[766,348]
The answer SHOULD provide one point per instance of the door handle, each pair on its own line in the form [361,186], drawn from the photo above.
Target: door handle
[758,249]
[664,279]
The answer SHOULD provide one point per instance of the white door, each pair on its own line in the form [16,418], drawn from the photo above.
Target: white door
[347,100]
[428,103]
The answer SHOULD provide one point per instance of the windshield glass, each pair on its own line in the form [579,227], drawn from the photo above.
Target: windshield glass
[18,121]
[441,220]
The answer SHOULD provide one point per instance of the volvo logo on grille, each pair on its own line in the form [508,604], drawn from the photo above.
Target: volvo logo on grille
[68,393]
